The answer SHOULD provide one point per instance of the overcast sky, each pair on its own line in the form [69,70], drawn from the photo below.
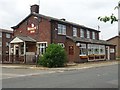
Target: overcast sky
[84,12]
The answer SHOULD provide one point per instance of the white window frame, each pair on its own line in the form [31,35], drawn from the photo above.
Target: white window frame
[61,29]
[88,34]
[82,48]
[74,32]
[42,49]
[7,35]
[103,48]
[82,33]
[93,35]
[90,49]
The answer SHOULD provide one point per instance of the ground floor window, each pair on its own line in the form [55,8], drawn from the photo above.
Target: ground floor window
[42,47]
[96,49]
[83,50]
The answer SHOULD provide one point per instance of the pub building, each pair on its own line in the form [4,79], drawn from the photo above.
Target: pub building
[34,33]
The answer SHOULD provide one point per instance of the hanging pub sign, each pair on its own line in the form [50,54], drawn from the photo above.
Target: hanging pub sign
[32,28]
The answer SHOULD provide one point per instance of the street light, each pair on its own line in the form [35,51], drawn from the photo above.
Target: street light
[119,18]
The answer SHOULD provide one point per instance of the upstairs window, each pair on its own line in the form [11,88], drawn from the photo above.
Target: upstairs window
[88,34]
[0,34]
[7,35]
[61,29]
[82,33]
[93,35]
[74,32]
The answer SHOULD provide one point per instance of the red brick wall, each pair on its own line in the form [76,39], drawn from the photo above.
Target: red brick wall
[5,49]
[44,33]
[75,57]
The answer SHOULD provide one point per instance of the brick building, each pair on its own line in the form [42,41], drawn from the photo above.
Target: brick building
[34,33]
[5,38]
[116,41]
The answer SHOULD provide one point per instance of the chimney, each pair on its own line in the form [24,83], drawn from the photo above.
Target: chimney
[35,8]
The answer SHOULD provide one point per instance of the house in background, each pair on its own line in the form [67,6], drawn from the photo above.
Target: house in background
[116,41]
[5,38]
[34,33]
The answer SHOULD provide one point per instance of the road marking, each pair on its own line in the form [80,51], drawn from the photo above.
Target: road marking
[8,75]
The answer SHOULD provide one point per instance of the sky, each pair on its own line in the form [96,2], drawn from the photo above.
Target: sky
[83,12]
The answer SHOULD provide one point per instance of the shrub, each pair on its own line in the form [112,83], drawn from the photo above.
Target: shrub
[55,56]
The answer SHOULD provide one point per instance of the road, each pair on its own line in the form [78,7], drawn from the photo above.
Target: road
[100,77]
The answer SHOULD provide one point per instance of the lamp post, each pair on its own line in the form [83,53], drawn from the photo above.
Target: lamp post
[119,18]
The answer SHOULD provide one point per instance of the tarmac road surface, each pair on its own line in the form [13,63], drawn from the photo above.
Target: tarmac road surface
[96,77]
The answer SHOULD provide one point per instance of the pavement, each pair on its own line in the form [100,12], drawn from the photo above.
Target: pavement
[70,66]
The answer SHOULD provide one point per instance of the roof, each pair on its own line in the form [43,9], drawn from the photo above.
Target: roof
[113,38]
[26,38]
[52,19]
[86,40]
[6,31]
[19,39]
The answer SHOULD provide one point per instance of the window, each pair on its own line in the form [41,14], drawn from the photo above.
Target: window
[42,47]
[74,31]
[7,35]
[102,49]
[93,35]
[0,44]
[88,34]
[0,34]
[90,49]
[82,33]
[61,29]
[96,49]
[83,50]
[61,44]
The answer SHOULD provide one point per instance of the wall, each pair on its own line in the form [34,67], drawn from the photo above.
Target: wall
[69,32]
[5,49]
[76,50]
[116,41]
[41,35]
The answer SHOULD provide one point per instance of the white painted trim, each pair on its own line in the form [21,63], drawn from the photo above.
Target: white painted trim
[16,40]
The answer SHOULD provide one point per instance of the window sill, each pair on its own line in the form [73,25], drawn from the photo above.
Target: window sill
[62,34]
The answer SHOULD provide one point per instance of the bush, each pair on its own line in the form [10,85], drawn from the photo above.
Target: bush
[55,56]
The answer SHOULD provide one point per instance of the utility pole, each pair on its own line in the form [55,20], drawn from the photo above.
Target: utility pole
[118,19]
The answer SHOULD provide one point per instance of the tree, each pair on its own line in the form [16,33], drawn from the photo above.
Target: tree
[55,56]
[112,18]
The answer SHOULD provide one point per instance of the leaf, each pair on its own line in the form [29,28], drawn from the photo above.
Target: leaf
[99,18]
